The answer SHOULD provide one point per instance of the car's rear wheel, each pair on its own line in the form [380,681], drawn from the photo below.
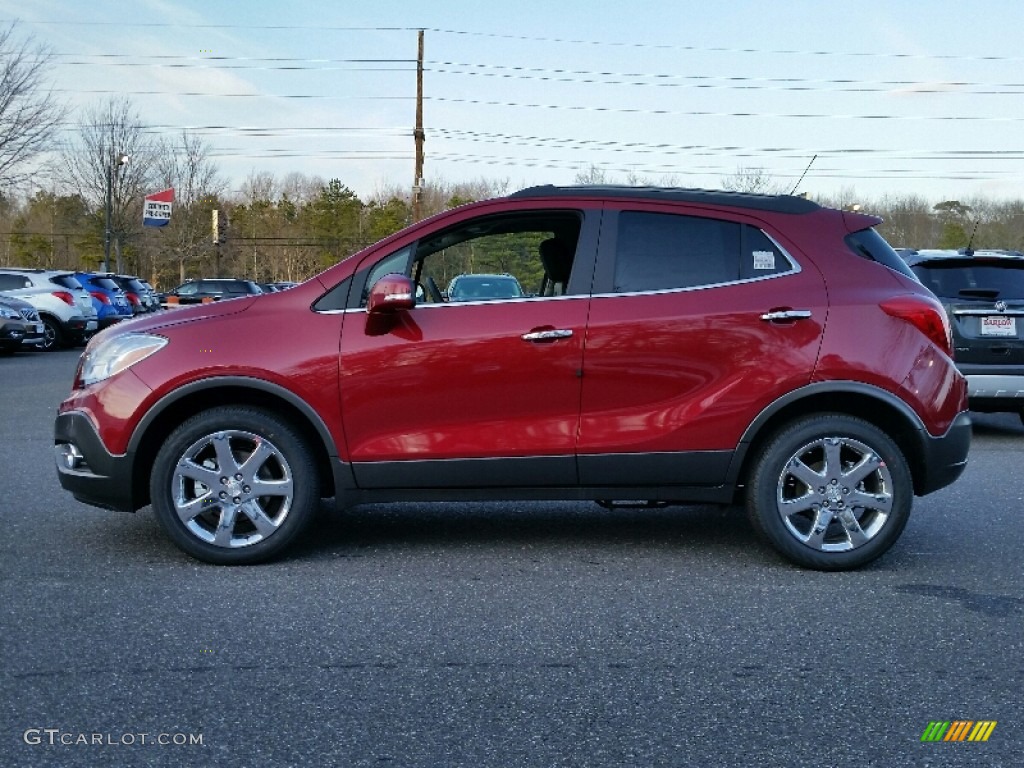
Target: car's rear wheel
[830,492]
[234,485]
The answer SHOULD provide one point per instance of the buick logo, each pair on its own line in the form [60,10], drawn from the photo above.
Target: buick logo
[1000,306]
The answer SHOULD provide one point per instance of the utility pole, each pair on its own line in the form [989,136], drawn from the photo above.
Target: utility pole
[417,185]
[115,159]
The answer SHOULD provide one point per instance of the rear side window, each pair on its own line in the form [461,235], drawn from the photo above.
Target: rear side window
[657,251]
[13,282]
[870,245]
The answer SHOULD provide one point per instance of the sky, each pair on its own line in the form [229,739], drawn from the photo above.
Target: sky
[854,100]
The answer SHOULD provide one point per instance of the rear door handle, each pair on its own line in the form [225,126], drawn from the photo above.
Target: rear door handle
[786,314]
[551,335]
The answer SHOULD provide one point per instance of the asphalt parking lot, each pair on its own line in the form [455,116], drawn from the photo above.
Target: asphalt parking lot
[501,634]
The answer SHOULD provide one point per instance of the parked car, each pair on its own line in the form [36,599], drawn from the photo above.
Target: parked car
[483,287]
[152,297]
[12,328]
[983,293]
[111,305]
[140,297]
[20,326]
[64,306]
[703,347]
[208,290]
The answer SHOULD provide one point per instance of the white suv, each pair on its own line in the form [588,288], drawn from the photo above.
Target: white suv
[64,306]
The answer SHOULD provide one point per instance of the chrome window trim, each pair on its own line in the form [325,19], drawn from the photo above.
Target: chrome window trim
[482,302]
[688,289]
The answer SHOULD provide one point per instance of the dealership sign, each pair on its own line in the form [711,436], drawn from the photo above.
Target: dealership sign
[157,210]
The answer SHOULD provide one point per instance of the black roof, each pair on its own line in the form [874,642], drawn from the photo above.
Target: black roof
[776,203]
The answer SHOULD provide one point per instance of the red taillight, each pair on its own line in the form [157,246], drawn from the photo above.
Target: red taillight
[925,314]
[103,298]
[134,299]
[66,297]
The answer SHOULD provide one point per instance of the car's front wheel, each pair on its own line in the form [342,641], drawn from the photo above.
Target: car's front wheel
[830,492]
[53,336]
[234,485]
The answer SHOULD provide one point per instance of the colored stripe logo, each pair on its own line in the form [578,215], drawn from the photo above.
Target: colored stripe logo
[959,730]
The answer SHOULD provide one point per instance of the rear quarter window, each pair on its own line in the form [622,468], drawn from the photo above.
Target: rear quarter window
[67,281]
[870,245]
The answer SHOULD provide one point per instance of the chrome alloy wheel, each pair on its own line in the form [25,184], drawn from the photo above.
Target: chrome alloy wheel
[835,494]
[232,488]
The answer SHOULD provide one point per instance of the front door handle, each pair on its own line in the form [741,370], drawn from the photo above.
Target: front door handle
[551,335]
[782,315]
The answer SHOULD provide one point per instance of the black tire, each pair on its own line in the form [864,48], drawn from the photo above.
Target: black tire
[830,492]
[223,518]
[53,335]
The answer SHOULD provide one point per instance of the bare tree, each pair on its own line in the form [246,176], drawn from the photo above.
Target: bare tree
[108,134]
[185,165]
[756,180]
[592,175]
[29,113]
[259,187]
[300,188]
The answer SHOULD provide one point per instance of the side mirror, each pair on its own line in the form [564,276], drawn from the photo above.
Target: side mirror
[390,294]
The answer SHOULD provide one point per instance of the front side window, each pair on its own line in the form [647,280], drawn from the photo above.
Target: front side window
[502,257]
[658,251]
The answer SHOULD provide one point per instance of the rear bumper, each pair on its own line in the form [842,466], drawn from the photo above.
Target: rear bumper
[944,458]
[86,469]
[78,327]
[1003,391]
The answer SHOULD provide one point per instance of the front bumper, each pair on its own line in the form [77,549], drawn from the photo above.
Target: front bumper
[86,469]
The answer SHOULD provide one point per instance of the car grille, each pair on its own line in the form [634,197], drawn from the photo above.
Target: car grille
[30,314]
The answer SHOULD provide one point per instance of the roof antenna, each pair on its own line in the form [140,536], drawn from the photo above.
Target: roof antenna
[968,251]
[795,186]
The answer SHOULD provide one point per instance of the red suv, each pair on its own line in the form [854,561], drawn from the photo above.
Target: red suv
[671,346]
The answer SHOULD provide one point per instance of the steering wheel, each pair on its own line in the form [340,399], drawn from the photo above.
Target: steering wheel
[434,291]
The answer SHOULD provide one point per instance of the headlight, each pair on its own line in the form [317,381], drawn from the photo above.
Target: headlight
[117,354]
[10,314]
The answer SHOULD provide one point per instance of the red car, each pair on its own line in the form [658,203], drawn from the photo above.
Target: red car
[671,346]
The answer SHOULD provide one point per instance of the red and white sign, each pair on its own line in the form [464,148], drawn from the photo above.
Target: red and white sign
[157,210]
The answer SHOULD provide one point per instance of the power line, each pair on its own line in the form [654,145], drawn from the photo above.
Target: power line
[573,76]
[540,39]
[703,113]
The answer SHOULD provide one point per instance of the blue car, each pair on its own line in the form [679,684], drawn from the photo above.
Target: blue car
[112,306]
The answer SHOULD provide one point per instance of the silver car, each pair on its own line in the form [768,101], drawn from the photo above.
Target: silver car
[64,306]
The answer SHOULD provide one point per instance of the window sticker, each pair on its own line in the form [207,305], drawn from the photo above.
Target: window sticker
[764,260]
